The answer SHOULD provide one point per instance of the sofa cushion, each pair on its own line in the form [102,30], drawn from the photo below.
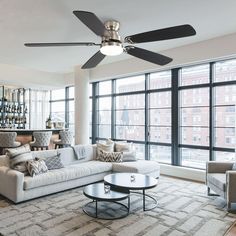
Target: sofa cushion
[18,157]
[65,174]
[140,166]
[219,180]
[36,167]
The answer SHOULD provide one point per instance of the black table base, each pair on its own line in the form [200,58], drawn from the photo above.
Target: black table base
[107,210]
[144,195]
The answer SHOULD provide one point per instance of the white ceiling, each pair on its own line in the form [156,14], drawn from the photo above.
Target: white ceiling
[52,21]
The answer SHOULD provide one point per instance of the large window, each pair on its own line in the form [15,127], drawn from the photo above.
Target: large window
[104,110]
[184,116]
[130,112]
[224,101]
[159,123]
[62,107]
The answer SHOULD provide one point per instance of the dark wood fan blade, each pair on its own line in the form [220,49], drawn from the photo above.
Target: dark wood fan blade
[91,21]
[179,31]
[94,60]
[60,44]
[146,55]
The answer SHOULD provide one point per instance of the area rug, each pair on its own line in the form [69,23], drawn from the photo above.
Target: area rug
[183,209]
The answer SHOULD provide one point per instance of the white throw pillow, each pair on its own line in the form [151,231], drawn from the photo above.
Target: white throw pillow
[18,157]
[123,147]
[104,147]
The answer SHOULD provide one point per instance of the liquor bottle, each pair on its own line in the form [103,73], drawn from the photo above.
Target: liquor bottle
[49,123]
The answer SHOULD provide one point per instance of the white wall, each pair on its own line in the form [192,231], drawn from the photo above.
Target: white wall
[29,78]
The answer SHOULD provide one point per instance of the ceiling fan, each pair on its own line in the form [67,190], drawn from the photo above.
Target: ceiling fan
[112,44]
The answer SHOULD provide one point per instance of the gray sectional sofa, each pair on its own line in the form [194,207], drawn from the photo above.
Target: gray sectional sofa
[17,187]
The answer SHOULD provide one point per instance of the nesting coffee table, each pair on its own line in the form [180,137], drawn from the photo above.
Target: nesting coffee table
[109,206]
[122,184]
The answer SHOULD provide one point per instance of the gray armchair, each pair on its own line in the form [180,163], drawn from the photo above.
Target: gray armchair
[222,180]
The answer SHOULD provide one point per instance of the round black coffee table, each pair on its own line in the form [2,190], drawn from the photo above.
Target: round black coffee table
[122,182]
[108,208]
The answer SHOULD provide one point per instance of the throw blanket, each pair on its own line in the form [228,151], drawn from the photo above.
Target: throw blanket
[80,152]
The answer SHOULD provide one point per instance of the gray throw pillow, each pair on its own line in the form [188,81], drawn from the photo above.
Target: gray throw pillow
[129,156]
[18,157]
[54,162]
[110,156]
[36,167]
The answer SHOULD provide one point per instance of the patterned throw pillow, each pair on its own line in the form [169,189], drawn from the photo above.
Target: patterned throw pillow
[36,167]
[110,156]
[18,157]
[54,162]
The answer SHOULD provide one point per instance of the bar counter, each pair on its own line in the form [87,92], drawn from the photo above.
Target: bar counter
[26,135]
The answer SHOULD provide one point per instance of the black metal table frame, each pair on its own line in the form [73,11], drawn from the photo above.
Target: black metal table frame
[143,193]
[96,215]
[144,200]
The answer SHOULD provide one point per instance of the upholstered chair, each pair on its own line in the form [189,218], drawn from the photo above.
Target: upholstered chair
[41,140]
[8,140]
[222,180]
[66,138]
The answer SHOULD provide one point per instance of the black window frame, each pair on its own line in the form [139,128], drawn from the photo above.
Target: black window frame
[175,112]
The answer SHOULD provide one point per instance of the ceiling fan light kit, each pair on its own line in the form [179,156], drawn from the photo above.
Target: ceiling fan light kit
[112,44]
[111,48]
[111,41]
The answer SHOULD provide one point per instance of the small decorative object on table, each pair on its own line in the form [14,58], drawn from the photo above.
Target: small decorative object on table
[107,188]
[132,177]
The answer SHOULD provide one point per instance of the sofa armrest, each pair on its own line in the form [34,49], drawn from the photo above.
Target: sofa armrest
[231,185]
[11,183]
[218,167]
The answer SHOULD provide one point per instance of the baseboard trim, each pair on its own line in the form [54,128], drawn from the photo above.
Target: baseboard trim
[183,172]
